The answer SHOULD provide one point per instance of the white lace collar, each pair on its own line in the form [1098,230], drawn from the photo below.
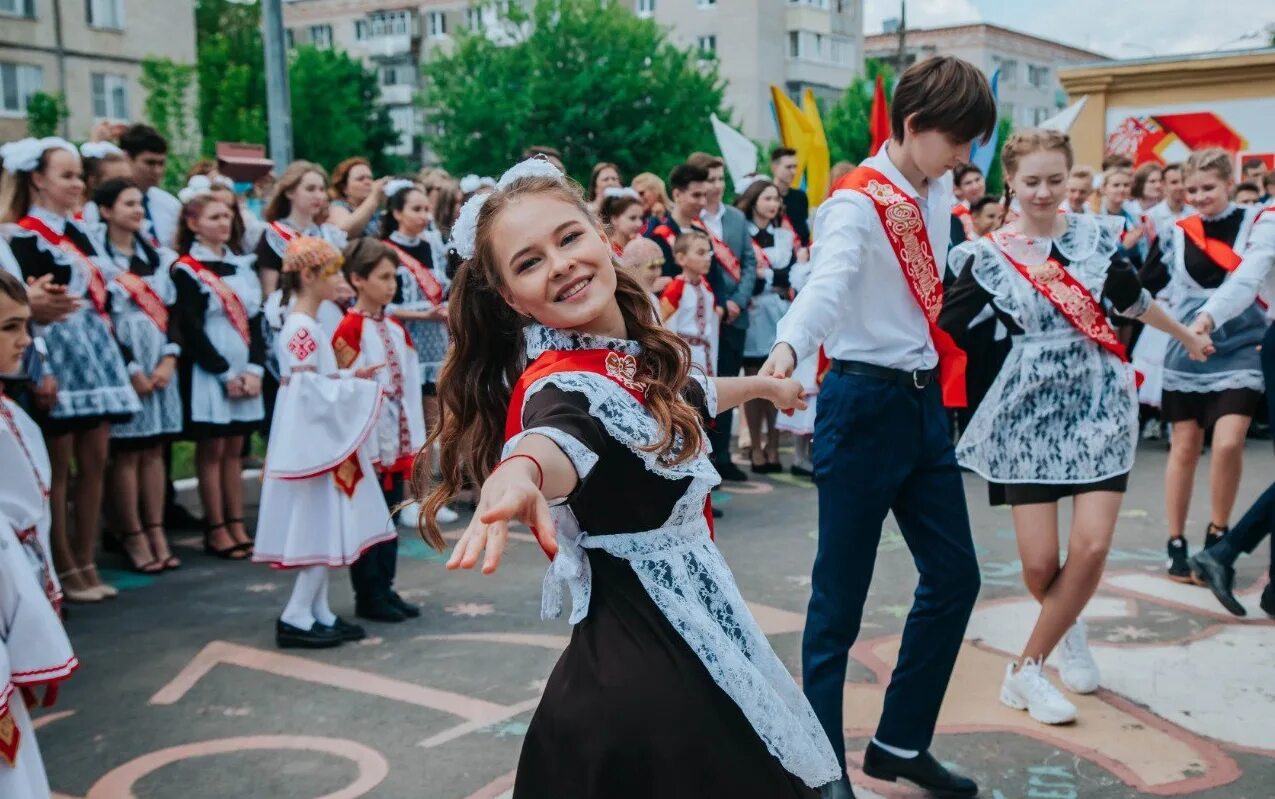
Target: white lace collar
[403,239]
[540,339]
[1230,209]
[201,252]
[56,222]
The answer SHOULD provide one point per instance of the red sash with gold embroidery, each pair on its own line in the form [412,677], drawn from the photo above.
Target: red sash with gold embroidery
[423,274]
[904,228]
[1072,300]
[145,298]
[618,367]
[234,307]
[96,281]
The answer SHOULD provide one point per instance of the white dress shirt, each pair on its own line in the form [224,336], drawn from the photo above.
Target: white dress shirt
[713,221]
[164,210]
[857,302]
[1256,273]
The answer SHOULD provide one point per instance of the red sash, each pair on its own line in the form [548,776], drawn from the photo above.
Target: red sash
[1073,301]
[967,220]
[142,295]
[423,274]
[97,283]
[759,253]
[230,302]
[1219,252]
[617,249]
[286,233]
[786,223]
[666,233]
[619,367]
[723,253]
[904,227]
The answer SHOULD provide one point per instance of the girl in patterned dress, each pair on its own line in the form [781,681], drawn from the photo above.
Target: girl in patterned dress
[1061,418]
[42,189]
[142,298]
[577,414]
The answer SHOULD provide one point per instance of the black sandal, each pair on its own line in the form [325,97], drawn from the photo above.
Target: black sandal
[248,545]
[231,552]
[140,568]
[171,562]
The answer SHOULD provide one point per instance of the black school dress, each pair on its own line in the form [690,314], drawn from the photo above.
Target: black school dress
[631,709]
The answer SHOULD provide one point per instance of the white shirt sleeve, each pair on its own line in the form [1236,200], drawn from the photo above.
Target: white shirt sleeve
[1241,288]
[834,261]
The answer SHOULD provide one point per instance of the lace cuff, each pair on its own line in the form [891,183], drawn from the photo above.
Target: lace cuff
[1141,306]
[581,457]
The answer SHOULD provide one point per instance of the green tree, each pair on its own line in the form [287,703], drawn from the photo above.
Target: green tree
[336,111]
[169,109]
[846,122]
[232,85]
[585,76]
[45,114]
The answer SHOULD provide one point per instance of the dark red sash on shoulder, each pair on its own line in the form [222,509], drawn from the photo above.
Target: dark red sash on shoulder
[423,274]
[230,302]
[145,298]
[96,281]
[618,367]
[904,227]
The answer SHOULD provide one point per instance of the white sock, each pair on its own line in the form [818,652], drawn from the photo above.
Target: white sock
[906,754]
[322,613]
[298,612]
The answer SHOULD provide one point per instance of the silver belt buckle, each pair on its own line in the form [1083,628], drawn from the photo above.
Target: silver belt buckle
[916,380]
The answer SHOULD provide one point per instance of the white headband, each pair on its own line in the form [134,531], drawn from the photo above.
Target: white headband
[24,155]
[99,149]
[395,186]
[470,184]
[465,231]
[202,184]
[612,191]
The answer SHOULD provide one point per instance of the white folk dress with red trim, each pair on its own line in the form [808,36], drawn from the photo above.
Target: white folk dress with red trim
[687,309]
[322,417]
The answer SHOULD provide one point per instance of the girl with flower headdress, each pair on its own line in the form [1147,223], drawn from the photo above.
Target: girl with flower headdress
[320,504]
[577,413]
[43,186]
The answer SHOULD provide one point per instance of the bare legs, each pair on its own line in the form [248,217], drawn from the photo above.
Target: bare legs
[153,484]
[209,457]
[1179,475]
[232,490]
[60,456]
[1063,591]
[1225,466]
[138,482]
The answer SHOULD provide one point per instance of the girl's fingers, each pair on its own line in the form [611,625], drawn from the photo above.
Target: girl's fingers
[497,535]
[543,522]
[502,510]
[475,539]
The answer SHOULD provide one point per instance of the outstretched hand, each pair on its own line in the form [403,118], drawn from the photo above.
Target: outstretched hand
[510,494]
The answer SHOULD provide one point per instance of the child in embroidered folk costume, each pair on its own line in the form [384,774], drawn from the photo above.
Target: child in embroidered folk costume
[35,655]
[42,188]
[367,336]
[142,296]
[421,300]
[1061,418]
[882,442]
[320,504]
[222,362]
[664,691]
[686,304]
[1194,259]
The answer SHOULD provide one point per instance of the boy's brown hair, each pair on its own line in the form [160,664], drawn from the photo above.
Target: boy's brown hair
[686,238]
[946,94]
[705,161]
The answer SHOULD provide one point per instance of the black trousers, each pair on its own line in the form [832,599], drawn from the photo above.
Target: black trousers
[730,361]
[372,575]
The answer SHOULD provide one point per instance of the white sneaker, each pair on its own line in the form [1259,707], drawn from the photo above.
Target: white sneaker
[1079,671]
[1027,689]
[409,515]
[446,515]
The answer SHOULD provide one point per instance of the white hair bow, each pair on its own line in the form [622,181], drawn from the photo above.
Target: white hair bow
[397,185]
[465,231]
[202,184]
[99,149]
[612,191]
[24,155]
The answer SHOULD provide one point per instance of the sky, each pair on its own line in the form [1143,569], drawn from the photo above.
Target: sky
[1116,28]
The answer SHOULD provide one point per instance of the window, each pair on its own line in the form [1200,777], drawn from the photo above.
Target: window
[821,47]
[1008,68]
[437,24]
[1039,115]
[1038,76]
[321,36]
[110,95]
[17,83]
[18,8]
[376,26]
[403,117]
[474,18]
[289,38]
[106,14]
[645,8]
[707,44]
[398,74]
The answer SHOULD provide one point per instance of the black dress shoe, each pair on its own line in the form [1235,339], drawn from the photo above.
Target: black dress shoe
[286,636]
[1219,577]
[380,609]
[801,471]
[922,770]
[837,790]
[731,473]
[1268,600]
[347,631]
[408,609]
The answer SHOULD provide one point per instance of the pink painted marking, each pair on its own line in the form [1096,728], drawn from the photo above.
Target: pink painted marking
[373,768]
[48,718]
[465,728]
[494,789]
[554,642]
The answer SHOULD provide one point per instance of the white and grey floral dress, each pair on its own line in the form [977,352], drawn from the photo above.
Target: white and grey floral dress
[429,338]
[1063,410]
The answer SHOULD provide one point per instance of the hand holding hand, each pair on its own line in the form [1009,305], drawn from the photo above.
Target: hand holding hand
[510,494]
[141,383]
[732,311]
[1199,346]
[234,388]
[46,394]
[786,394]
[1203,323]
[163,374]
[781,362]
[251,384]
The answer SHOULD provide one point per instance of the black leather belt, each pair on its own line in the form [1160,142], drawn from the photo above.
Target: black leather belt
[916,378]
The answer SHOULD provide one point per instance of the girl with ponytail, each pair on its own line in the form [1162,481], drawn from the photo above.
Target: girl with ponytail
[576,413]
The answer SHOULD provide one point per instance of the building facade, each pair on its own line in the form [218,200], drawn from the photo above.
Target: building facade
[794,44]
[1029,90]
[89,51]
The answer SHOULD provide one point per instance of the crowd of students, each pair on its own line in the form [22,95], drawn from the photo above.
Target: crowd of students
[371,331]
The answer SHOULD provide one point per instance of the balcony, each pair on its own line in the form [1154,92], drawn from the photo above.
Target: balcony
[398,94]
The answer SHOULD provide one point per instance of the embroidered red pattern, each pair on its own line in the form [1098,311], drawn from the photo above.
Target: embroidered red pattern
[394,368]
[145,298]
[302,345]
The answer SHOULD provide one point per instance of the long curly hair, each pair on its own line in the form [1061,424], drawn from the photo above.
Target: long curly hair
[487,356]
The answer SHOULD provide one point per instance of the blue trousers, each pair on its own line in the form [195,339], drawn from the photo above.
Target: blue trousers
[880,447]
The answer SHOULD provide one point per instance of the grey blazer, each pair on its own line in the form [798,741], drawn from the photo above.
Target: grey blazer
[735,235]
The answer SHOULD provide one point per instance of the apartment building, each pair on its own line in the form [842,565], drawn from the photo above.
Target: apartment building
[790,43]
[90,51]
[1029,89]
